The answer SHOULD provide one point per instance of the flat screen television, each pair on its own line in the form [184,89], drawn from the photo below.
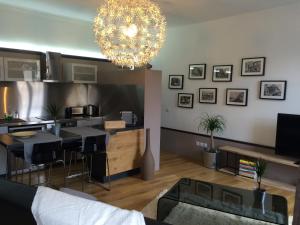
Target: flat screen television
[288,135]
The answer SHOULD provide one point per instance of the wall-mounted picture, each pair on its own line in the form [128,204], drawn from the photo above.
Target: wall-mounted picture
[185,100]
[236,97]
[222,73]
[197,71]
[253,66]
[232,198]
[273,89]
[208,95]
[176,81]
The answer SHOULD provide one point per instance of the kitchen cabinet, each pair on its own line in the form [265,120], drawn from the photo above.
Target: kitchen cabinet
[1,69]
[81,73]
[19,69]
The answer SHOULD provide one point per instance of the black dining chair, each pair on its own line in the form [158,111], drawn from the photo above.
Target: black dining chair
[45,154]
[18,154]
[93,145]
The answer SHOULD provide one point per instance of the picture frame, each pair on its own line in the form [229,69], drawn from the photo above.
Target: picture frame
[197,71]
[222,73]
[253,66]
[208,95]
[176,82]
[185,100]
[273,90]
[204,190]
[237,96]
[231,198]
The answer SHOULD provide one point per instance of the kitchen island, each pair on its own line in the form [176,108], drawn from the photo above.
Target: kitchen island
[124,150]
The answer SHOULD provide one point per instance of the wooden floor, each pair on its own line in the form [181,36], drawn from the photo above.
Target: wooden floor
[134,193]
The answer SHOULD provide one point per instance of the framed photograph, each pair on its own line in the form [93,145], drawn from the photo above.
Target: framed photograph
[208,95]
[232,198]
[204,190]
[253,66]
[273,89]
[185,100]
[236,97]
[222,73]
[176,81]
[197,71]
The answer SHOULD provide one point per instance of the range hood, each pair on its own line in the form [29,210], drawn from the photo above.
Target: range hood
[54,67]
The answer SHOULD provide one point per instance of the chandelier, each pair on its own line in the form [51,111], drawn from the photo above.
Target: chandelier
[130,32]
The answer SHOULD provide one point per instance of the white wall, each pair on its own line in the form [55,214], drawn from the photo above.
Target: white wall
[32,30]
[273,33]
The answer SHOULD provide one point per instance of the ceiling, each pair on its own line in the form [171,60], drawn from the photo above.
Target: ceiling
[178,12]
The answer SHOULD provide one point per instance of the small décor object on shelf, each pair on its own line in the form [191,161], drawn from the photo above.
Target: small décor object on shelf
[208,95]
[185,100]
[53,111]
[176,81]
[236,96]
[222,73]
[197,71]
[273,89]
[253,66]
[148,166]
[212,124]
[260,169]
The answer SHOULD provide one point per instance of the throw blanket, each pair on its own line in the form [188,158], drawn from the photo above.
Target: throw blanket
[51,207]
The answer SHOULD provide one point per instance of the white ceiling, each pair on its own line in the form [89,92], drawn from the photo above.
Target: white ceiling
[178,12]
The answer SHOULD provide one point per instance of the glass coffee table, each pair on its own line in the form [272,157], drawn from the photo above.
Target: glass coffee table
[192,198]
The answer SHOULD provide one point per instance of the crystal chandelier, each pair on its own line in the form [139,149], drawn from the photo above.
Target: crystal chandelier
[130,32]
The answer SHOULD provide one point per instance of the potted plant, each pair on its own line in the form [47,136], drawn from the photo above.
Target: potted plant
[212,124]
[260,169]
[54,111]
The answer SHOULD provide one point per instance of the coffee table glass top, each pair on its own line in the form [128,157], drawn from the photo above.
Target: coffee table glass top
[240,202]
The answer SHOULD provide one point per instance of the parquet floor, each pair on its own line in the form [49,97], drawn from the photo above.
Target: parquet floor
[134,193]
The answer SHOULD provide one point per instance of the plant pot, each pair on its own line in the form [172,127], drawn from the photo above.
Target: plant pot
[56,129]
[209,159]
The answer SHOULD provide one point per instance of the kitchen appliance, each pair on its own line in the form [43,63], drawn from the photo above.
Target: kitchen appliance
[129,117]
[54,67]
[91,110]
[71,112]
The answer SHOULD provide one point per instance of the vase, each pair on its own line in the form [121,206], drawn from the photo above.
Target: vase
[259,199]
[148,164]
[56,129]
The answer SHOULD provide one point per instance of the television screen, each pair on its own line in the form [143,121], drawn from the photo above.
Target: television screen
[288,135]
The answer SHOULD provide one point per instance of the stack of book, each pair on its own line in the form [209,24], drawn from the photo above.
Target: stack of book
[247,168]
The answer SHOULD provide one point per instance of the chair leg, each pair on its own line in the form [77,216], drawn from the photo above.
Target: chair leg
[108,171]
[38,173]
[23,167]
[90,169]
[82,175]
[70,164]
[30,175]
[49,175]
[16,169]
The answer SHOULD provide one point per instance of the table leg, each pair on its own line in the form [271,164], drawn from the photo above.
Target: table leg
[8,164]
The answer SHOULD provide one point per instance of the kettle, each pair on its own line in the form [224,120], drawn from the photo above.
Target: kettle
[91,110]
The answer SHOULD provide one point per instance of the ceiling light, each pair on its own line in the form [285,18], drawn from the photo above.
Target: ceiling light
[130,33]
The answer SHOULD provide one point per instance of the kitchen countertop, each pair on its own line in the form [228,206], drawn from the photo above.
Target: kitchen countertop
[114,131]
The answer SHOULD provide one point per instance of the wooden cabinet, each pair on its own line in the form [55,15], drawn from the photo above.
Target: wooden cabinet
[81,73]
[1,69]
[19,69]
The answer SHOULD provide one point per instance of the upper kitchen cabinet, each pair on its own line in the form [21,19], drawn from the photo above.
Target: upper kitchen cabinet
[81,73]
[1,69]
[22,69]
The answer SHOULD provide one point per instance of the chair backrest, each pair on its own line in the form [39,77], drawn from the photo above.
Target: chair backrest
[45,152]
[296,219]
[95,143]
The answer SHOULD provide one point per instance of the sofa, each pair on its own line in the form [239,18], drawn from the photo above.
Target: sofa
[15,204]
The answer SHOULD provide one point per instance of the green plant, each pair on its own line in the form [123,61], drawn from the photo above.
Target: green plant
[53,111]
[212,124]
[261,167]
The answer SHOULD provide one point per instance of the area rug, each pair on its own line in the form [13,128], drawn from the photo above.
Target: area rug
[193,215]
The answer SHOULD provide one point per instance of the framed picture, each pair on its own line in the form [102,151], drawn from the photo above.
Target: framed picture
[273,89]
[222,73]
[253,66]
[208,95]
[232,198]
[185,100]
[176,81]
[204,190]
[197,71]
[236,97]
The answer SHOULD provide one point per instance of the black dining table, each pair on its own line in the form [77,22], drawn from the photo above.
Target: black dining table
[11,144]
